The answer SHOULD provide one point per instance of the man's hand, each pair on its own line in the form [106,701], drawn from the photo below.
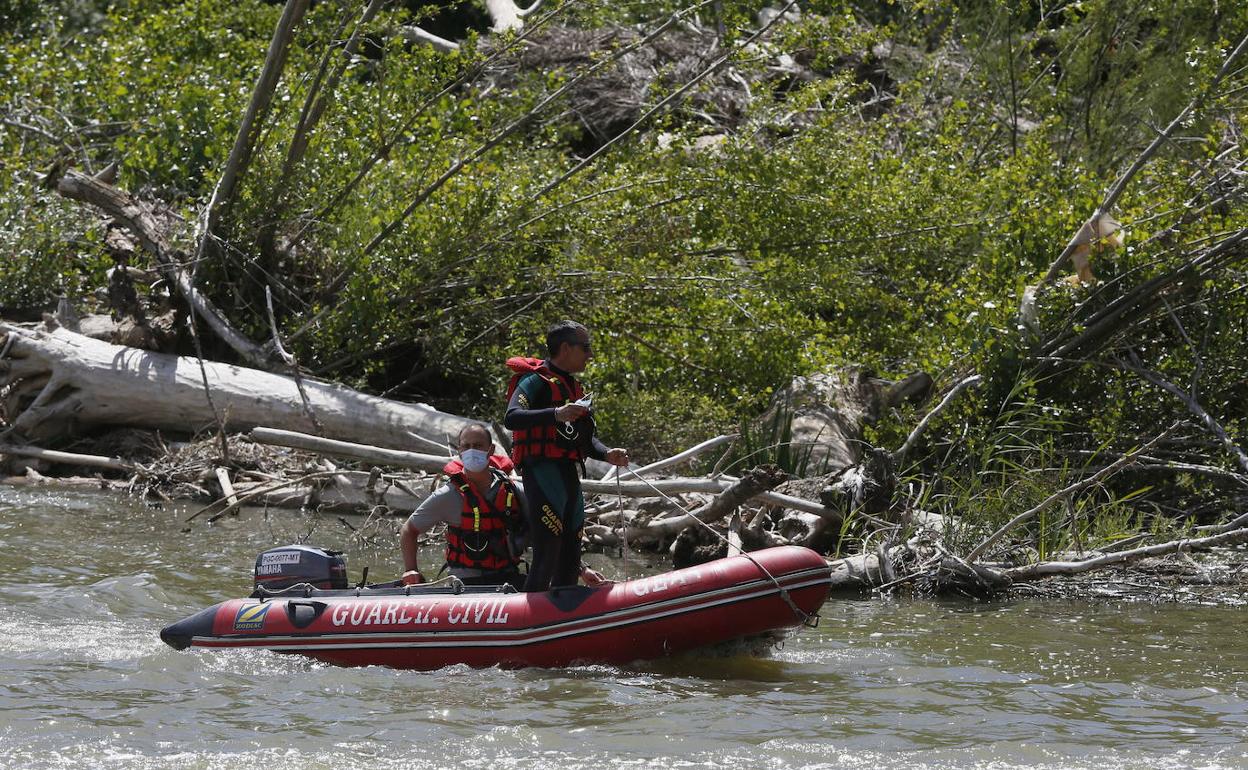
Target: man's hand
[412,577]
[570,412]
[618,456]
[593,577]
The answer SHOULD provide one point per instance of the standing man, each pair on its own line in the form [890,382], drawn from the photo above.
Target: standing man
[552,435]
[483,511]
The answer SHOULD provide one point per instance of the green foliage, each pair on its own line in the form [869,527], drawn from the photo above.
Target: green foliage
[890,212]
[42,257]
[655,425]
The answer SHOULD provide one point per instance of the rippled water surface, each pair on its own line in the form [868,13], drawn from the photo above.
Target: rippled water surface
[88,580]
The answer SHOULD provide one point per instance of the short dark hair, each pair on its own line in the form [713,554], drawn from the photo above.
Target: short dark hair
[561,332]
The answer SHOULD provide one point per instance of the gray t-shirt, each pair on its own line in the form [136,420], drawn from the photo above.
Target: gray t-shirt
[446,506]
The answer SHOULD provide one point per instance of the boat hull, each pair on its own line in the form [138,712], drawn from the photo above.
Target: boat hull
[617,623]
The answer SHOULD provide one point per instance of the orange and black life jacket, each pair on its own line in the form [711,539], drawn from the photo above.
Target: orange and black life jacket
[557,441]
[482,539]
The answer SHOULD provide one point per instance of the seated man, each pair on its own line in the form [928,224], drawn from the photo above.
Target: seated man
[485,513]
[483,510]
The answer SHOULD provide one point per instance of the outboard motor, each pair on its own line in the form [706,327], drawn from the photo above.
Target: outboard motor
[279,568]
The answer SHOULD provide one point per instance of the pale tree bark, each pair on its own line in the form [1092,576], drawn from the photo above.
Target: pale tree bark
[248,129]
[830,411]
[1047,568]
[57,382]
[506,15]
[753,484]
[413,34]
[643,488]
[675,459]
[69,458]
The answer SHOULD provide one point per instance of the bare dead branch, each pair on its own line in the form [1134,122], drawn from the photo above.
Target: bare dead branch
[319,97]
[290,361]
[70,458]
[413,34]
[244,142]
[139,220]
[506,15]
[1193,406]
[497,139]
[913,438]
[676,459]
[1045,569]
[709,70]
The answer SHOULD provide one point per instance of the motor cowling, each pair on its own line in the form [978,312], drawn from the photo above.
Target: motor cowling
[279,568]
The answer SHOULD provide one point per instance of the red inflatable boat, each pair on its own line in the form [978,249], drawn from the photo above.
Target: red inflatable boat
[427,627]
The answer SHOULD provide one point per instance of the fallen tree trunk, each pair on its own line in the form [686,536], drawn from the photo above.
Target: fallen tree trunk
[830,410]
[56,383]
[338,491]
[856,573]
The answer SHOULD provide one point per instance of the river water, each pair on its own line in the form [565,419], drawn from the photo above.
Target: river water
[87,580]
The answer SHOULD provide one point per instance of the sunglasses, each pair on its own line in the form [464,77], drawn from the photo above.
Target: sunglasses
[583,346]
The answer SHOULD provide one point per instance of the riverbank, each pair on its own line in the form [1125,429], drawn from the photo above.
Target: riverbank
[191,477]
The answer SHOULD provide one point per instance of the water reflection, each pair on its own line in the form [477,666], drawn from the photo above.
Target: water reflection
[84,681]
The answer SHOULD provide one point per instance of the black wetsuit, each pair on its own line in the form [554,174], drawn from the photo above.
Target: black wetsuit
[556,507]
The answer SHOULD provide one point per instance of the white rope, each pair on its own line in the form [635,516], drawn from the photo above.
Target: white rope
[623,521]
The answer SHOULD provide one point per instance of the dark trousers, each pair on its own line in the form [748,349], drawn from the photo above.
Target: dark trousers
[556,514]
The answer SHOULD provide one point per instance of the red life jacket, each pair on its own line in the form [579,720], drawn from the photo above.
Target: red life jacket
[544,440]
[481,541]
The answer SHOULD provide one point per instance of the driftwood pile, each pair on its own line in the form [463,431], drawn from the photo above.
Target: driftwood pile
[56,383]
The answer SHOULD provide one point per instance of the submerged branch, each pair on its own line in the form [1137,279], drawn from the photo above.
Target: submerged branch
[1045,569]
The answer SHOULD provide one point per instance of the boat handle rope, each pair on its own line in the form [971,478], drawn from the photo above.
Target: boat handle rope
[810,620]
[457,585]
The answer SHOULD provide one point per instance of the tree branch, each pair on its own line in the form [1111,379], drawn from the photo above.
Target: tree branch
[913,438]
[1194,407]
[1115,191]
[136,217]
[319,97]
[1044,569]
[462,163]
[244,141]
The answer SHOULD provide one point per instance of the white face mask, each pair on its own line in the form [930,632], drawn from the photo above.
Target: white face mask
[474,460]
